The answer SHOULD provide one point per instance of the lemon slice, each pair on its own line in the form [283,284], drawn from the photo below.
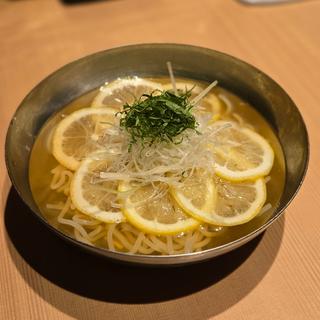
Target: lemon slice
[81,133]
[92,195]
[197,194]
[235,202]
[160,216]
[238,202]
[115,94]
[240,153]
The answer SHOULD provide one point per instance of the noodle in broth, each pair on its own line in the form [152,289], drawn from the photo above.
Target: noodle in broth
[51,189]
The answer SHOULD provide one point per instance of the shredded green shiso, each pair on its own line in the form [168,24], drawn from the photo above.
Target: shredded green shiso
[158,117]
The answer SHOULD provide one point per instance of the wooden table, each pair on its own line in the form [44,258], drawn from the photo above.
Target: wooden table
[275,277]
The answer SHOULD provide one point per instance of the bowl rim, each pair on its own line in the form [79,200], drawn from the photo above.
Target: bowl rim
[152,259]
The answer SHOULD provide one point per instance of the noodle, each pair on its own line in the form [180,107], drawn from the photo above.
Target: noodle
[128,227]
[239,119]
[170,245]
[227,102]
[109,237]
[158,242]
[130,236]
[188,243]
[76,226]
[124,236]
[201,244]
[61,178]
[144,250]
[83,221]
[95,232]
[79,237]
[137,244]
[122,239]
[153,246]
[57,206]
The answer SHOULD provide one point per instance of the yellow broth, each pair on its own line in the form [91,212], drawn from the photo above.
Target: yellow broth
[42,162]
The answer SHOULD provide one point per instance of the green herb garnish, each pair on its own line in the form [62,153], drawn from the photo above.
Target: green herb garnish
[158,117]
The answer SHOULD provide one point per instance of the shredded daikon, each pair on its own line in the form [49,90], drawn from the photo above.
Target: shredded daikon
[265,208]
[163,162]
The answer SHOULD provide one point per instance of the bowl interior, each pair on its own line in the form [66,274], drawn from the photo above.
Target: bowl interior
[81,76]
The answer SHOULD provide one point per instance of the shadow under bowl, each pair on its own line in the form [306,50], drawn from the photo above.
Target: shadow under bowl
[149,60]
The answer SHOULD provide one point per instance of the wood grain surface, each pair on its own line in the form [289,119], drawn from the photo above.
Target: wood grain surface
[275,277]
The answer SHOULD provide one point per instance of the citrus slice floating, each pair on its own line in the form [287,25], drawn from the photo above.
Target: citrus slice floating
[160,216]
[121,91]
[92,195]
[81,133]
[234,202]
[197,194]
[240,153]
[238,202]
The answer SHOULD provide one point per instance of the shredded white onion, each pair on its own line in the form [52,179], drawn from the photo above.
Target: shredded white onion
[163,162]
[203,93]
[173,80]
[265,208]
[227,102]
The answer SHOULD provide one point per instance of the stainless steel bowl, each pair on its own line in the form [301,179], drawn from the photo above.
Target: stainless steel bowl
[81,76]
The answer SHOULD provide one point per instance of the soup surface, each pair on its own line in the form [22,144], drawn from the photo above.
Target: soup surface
[112,182]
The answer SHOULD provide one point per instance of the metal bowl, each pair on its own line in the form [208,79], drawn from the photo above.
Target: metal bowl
[88,73]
